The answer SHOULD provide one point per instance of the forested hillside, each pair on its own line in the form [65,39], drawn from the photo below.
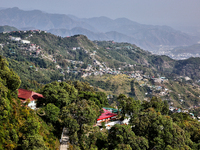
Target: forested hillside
[76,106]
[45,58]
[20,127]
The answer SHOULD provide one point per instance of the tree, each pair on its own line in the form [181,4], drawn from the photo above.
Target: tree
[99,98]
[189,125]
[159,130]
[55,94]
[84,112]
[157,104]
[72,91]
[31,126]
[123,147]
[83,86]
[9,78]
[20,127]
[77,117]
[122,135]
[128,106]
[34,142]
[52,113]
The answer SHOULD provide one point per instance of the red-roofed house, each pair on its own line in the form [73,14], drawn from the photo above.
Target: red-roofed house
[106,116]
[32,96]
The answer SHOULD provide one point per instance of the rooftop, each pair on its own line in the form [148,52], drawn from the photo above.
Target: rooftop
[26,94]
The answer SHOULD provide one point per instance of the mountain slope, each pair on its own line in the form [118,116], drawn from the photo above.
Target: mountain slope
[116,55]
[7,29]
[20,127]
[192,49]
[109,66]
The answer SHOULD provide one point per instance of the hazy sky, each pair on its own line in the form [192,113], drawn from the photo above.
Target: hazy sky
[156,12]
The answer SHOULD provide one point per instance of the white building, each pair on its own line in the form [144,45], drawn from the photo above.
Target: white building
[25,42]
[15,38]
[32,105]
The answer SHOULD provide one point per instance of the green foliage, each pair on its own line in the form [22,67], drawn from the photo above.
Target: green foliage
[73,105]
[99,98]
[77,117]
[9,78]
[160,130]
[121,135]
[128,105]
[189,125]
[52,113]
[54,94]
[20,127]
[85,112]
[157,104]
[34,142]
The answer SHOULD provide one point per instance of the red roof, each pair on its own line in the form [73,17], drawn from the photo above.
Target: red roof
[26,94]
[106,114]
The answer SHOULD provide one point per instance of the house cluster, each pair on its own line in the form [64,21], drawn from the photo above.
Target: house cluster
[168,51]
[179,110]
[103,69]
[120,47]
[25,31]
[26,45]
[135,74]
[18,39]
[160,80]
[31,48]
[184,56]
[75,62]
[76,48]
[99,72]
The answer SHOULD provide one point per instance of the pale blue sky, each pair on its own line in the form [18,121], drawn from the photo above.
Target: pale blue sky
[156,12]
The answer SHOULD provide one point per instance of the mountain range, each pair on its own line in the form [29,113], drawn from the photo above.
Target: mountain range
[98,28]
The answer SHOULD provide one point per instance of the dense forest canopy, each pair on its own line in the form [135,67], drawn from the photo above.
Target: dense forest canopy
[76,106]
[20,127]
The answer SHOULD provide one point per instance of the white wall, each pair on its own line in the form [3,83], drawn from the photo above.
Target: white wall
[32,105]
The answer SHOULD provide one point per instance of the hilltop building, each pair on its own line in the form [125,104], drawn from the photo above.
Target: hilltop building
[25,42]
[25,95]
[106,116]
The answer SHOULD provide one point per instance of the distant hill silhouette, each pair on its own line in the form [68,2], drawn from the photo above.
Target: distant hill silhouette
[7,28]
[97,28]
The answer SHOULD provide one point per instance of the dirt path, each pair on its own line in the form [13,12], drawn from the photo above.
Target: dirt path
[64,140]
